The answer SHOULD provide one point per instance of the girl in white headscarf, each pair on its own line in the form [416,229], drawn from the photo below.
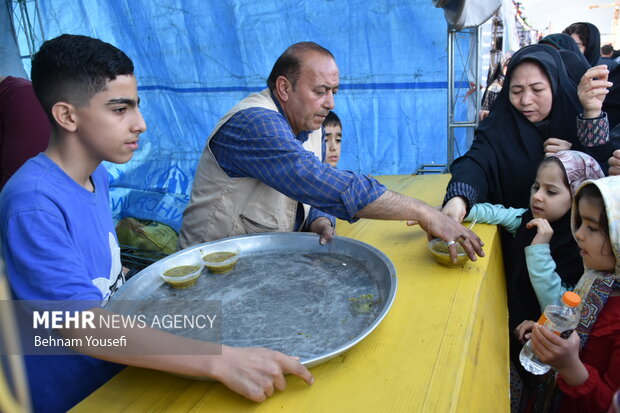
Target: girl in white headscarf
[543,259]
[588,362]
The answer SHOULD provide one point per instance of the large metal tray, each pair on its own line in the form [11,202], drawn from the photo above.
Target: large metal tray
[287,292]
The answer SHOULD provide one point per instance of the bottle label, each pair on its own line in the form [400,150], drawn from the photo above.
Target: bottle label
[542,320]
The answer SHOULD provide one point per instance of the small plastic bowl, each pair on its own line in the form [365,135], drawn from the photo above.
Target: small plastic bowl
[182,271]
[221,261]
[439,250]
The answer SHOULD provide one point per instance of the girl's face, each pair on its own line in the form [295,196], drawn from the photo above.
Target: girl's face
[549,196]
[595,246]
[530,92]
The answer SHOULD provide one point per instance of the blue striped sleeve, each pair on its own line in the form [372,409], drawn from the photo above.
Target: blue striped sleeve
[259,143]
[314,214]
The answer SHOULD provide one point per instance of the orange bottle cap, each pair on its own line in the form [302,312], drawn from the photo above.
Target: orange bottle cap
[571,299]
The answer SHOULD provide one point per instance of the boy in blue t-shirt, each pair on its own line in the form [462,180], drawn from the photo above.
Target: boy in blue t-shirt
[58,238]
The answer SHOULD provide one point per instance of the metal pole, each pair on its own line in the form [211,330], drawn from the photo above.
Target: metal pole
[450,143]
[478,74]
[27,33]
[38,16]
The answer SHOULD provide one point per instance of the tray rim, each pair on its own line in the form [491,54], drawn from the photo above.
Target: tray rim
[393,282]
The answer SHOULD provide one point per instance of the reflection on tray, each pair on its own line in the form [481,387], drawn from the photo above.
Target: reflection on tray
[287,293]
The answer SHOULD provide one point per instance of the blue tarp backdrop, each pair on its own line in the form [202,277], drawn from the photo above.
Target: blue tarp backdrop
[195,58]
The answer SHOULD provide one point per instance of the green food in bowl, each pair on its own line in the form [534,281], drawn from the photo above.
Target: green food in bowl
[439,250]
[182,284]
[218,256]
[181,271]
[221,262]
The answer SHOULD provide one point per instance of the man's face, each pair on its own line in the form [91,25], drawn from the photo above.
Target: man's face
[307,104]
[110,124]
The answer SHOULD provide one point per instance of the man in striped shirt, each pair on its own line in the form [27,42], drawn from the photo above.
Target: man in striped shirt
[261,169]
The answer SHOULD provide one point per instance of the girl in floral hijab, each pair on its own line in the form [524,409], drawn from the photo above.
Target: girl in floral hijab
[543,259]
[588,362]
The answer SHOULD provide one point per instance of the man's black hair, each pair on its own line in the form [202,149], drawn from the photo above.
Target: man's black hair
[607,49]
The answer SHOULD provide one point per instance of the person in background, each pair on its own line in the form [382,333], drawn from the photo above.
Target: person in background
[593,124]
[561,41]
[495,83]
[24,127]
[607,52]
[588,39]
[614,161]
[262,170]
[333,138]
[611,105]
[58,240]
[587,361]
[574,60]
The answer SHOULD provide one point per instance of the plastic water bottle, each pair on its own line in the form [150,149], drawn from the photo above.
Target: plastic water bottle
[561,318]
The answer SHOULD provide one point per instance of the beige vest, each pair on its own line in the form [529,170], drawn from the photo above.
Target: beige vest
[222,207]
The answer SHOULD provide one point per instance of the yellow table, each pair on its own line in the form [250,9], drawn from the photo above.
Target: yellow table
[443,346]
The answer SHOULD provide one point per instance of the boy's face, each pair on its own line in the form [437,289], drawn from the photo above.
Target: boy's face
[110,124]
[333,140]
[592,241]
[549,197]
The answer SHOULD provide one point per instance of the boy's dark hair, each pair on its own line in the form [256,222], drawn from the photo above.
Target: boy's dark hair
[332,120]
[580,30]
[607,49]
[73,68]
[289,62]
[592,193]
